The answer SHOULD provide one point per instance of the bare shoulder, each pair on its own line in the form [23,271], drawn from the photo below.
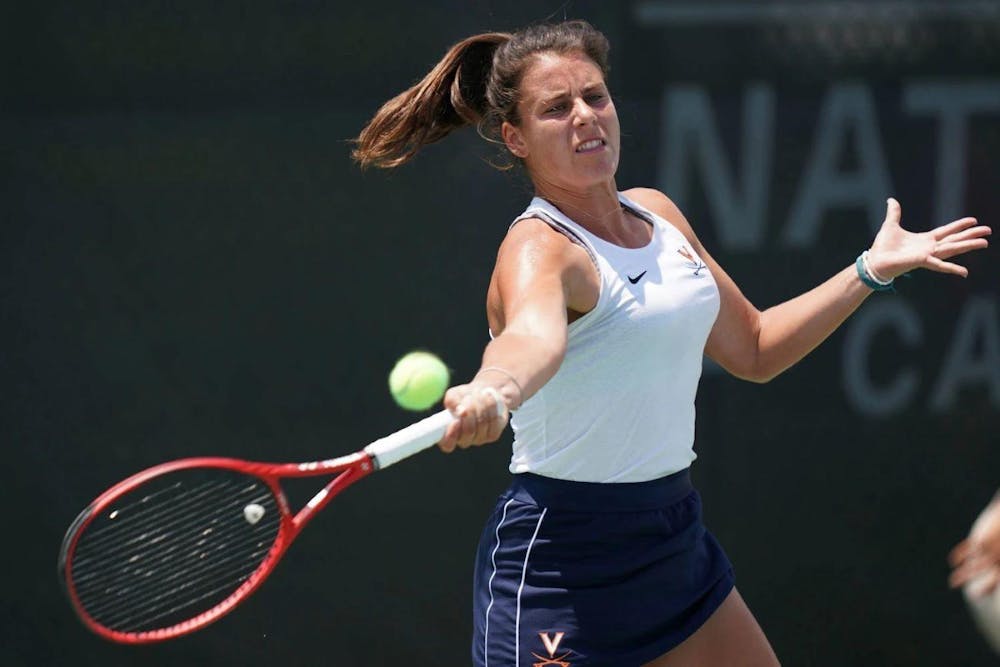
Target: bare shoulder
[663,206]
[537,263]
[534,241]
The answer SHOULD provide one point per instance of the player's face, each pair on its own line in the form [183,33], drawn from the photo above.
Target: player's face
[568,135]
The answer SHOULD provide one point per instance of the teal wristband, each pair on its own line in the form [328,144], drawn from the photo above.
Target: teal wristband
[863,274]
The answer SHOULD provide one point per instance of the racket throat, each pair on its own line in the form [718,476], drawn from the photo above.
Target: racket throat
[362,467]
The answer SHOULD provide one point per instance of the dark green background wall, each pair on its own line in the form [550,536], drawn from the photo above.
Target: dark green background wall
[192,265]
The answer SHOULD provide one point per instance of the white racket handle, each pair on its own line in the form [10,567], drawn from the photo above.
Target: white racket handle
[410,440]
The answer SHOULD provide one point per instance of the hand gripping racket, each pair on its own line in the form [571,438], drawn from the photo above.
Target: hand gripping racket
[179,545]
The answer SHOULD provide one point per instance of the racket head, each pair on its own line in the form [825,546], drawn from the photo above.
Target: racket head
[174,548]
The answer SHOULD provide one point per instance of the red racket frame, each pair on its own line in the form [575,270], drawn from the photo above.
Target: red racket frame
[351,468]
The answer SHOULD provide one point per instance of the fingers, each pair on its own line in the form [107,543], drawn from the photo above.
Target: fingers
[973,564]
[956,238]
[965,236]
[966,233]
[893,211]
[966,570]
[960,552]
[980,572]
[935,264]
[480,416]
[954,227]
[951,248]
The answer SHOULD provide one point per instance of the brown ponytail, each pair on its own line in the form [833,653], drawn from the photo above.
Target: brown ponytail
[452,95]
[476,83]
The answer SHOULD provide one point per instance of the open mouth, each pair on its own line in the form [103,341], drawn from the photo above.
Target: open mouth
[587,146]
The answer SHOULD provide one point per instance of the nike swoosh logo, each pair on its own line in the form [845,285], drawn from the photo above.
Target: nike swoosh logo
[636,279]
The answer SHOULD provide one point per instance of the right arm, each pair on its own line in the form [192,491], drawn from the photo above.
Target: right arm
[540,276]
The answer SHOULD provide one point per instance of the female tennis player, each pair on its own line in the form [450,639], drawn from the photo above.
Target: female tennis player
[601,305]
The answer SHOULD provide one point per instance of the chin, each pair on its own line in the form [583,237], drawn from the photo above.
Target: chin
[599,176]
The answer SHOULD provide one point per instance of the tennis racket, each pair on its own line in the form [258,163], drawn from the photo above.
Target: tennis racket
[179,545]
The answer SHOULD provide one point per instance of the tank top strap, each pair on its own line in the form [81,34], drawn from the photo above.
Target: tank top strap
[549,214]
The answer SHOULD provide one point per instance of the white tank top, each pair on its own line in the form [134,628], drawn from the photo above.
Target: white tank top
[621,406]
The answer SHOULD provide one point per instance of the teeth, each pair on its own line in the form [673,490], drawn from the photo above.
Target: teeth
[593,143]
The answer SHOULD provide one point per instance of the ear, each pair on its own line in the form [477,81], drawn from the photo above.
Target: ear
[514,139]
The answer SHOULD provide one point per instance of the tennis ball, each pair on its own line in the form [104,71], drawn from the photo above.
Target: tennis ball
[418,380]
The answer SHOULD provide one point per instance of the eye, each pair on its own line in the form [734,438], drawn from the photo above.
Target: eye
[594,98]
[559,107]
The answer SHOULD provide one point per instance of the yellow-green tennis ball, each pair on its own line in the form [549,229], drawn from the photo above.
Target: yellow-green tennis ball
[418,380]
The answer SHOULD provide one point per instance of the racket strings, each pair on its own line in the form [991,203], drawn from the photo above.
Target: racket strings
[176,582]
[139,612]
[169,566]
[124,531]
[134,512]
[173,548]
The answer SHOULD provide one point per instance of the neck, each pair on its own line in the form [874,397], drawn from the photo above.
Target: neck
[597,209]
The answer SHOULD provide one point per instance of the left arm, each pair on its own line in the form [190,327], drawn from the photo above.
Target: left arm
[777,338]
[758,345]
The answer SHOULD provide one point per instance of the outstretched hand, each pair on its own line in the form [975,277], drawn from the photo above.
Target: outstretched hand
[896,250]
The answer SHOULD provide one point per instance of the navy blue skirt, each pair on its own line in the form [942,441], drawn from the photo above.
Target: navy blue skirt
[574,574]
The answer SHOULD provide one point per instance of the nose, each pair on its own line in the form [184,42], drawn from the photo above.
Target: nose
[583,114]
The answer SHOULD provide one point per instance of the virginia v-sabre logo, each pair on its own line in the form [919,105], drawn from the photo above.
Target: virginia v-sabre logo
[692,260]
[552,645]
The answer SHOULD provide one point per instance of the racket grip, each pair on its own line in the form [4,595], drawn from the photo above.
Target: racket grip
[410,440]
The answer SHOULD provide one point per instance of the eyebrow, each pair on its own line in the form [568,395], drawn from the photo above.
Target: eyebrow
[559,94]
